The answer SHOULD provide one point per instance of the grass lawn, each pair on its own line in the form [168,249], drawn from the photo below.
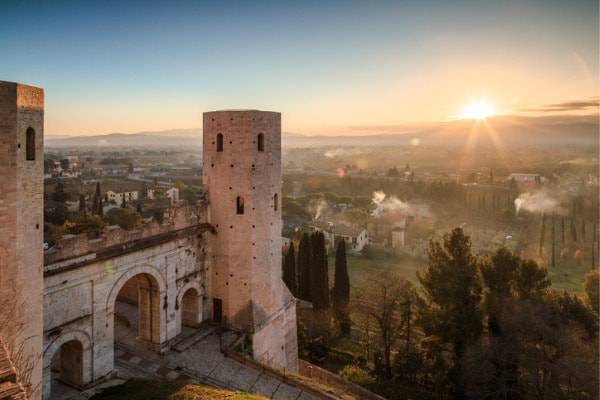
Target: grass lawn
[361,269]
[567,277]
[152,390]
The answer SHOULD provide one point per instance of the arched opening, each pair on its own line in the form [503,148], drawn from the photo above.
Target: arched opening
[261,142]
[137,312]
[190,309]
[219,142]
[66,368]
[239,205]
[30,144]
[275,202]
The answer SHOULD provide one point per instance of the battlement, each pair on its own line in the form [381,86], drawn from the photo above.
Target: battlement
[75,249]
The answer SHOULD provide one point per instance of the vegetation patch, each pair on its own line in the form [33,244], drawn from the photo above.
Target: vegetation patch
[153,390]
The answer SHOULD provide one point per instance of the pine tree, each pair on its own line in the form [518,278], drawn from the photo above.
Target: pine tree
[289,270]
[452,292]
[304,266]
[341,289]
[319,285]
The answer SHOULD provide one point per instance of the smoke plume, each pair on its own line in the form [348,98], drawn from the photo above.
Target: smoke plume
[538,203]
[387,204]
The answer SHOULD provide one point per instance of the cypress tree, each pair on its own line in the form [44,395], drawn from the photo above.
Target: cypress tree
[100,208]
[124,202]
[289,270]
[139,208]
[81,203]
[319,285]
[304,265]
[341,289]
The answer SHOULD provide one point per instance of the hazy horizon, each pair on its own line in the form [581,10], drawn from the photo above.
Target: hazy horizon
[329,68]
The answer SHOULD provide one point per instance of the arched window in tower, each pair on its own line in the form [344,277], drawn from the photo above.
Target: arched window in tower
[261,142]
[239,205]
[220,142]
[30,144]
[275,202]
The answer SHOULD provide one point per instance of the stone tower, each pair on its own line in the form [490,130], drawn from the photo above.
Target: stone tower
[242,173]
[22,225]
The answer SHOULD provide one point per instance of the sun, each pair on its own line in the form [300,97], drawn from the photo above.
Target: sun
[477,109]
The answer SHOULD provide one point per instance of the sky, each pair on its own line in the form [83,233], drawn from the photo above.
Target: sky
[330,67]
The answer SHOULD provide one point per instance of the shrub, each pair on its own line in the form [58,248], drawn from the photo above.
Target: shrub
[357,375]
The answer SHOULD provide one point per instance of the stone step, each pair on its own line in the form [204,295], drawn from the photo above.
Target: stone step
[187,342]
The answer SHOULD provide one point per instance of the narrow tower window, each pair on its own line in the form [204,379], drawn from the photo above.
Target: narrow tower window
[30,144]
[275,202]
[220,142]
[261,142]
[239,205]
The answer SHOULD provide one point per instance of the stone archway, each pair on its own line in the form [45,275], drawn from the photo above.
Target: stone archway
[68,360]
[191,308]
[137,311]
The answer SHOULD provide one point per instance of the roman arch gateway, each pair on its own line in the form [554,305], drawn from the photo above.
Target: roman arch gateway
[215,260]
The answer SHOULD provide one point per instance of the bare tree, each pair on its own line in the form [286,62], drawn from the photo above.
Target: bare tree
[383,302]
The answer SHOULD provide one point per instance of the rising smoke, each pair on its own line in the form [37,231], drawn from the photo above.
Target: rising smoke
[387,204]
[538,203]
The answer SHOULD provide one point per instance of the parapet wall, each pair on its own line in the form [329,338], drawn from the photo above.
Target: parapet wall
[78,246]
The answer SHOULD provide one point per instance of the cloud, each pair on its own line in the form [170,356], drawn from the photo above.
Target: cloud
[592,103]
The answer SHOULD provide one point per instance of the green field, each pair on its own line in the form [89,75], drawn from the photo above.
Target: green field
[564,277]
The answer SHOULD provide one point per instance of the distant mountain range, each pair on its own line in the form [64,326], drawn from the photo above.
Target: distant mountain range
[508,130]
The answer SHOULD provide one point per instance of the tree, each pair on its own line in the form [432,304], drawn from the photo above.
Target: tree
[139,208]
[289,270]
[86,223]
[498,275]
[341,290]
[451,293]
[319,274]
[100,207]
[552,357]
[304,267]
[59,194]
[58,215]
[81,203]
[124,217]
[384,302]
[64,164]
[591,287]
[124,202]
[531,280]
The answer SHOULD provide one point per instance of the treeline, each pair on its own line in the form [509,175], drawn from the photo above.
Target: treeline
[476,328]
[307,277]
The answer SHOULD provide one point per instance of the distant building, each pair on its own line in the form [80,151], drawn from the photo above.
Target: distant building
[355,237]
[173,194]
[526,178]
[118,198]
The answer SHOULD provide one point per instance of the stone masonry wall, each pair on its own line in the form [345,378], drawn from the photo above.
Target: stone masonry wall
[245,253]
[21,225]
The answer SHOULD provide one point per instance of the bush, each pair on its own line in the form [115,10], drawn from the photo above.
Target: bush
[86,223]
[124,217]
[357,375]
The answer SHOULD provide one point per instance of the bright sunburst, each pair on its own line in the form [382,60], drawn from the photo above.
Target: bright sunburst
[477,109]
